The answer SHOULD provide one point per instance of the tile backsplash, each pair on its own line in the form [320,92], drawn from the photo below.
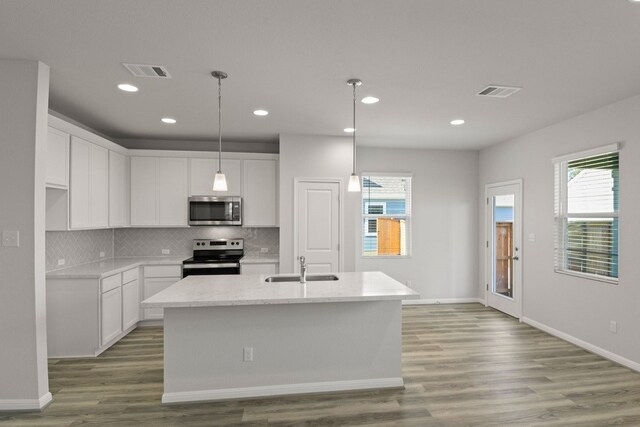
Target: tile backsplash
[151,241]
[77,247]
[81,247]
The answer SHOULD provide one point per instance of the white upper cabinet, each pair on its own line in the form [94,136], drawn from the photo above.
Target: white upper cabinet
[172,187]
[118,190]
[99,186]
[144,191]
[202,172]
[80,163]
[159,191]
[260,197]
[57,175]
[89,185]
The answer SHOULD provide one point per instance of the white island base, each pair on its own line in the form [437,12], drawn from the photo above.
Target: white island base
[297,348]
[232,337]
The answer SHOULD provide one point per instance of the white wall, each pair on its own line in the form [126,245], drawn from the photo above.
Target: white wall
[24,86]
[578,307]
[305,156]
[444,212]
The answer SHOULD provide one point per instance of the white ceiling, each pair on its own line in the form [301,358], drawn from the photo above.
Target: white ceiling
[425,60]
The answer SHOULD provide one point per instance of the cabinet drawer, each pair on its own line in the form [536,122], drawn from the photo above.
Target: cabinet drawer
[111,282]
[129,275]
[163,271]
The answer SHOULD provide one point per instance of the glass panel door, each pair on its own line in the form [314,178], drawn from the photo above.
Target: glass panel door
[503,209]
[504,236]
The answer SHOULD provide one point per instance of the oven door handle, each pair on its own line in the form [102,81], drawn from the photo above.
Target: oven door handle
[218,265]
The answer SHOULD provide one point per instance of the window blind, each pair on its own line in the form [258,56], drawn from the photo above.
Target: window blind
[586,215]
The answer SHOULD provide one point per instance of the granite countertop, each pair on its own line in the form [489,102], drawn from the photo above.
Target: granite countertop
[107,267]
[258,259]
[209,291]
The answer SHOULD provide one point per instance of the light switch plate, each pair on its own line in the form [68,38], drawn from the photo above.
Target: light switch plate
[11,238]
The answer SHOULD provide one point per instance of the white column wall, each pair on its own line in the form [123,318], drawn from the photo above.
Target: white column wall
[24,86]
[579,308]
[306,156]
[443,264]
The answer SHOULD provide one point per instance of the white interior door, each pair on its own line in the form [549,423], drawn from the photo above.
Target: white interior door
[318,226]
[504,250]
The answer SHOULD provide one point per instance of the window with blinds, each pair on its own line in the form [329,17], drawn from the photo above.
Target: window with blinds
[386,215]
[586,215]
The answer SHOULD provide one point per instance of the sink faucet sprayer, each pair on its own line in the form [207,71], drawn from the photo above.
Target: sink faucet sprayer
[303,270]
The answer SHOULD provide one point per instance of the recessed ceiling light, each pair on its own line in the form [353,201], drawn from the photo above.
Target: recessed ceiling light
[261,112]
[457,122]
[127,87]
[168,120]
[349,130]
[634,1]
[370,100]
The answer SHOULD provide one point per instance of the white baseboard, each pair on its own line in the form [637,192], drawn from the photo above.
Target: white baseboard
[279,390]
[26,404]
[441,301]
[583,344]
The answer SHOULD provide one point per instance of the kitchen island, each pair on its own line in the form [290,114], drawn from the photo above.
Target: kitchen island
[229,337]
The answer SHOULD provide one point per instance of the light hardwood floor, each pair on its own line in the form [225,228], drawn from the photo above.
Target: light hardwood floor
[464,365]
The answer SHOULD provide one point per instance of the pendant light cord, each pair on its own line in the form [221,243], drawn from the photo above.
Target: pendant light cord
[354,127]
[219,125]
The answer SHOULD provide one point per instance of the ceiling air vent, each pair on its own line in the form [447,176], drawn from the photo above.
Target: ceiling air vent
[142,70]
[496,91]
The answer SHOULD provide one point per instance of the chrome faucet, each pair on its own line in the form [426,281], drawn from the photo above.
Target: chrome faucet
[303,270]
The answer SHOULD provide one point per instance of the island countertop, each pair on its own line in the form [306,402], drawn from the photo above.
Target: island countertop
[209,291]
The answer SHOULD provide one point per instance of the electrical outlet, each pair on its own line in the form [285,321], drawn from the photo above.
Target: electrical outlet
[408,283]
[101,254]
[264,250]
[613,327]
[166,252]
[532,237]
[61,262]
[247,354]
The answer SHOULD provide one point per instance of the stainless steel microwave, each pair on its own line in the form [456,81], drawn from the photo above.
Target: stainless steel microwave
[213,210]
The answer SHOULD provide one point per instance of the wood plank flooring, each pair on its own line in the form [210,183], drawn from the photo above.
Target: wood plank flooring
[464,365]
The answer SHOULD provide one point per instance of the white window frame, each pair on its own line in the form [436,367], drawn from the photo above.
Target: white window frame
[561,214]
[406,216]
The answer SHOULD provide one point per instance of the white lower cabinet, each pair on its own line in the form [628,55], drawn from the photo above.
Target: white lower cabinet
[130,304]
[86,316]
[156,279]
[111,315]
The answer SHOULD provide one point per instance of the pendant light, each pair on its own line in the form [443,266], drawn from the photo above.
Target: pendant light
[354,180]
[220,181]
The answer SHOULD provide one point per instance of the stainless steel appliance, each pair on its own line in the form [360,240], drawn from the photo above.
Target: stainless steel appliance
[213,210]
[214,257]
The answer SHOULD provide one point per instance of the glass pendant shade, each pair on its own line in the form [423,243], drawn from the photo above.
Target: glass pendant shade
[220,182]
[354,183]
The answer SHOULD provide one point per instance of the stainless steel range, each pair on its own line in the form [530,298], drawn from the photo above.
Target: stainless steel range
[214,257]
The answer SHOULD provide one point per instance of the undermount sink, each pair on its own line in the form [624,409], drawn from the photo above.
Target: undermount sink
[310,278]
